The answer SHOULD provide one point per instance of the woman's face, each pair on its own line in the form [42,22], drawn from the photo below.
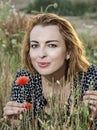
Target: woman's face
[47,49]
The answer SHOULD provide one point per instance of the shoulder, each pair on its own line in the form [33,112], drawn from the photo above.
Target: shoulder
[34,78]
[92,71]
[23,72]
[90,77]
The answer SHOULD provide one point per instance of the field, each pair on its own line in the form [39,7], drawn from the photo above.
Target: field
[11,34]
[86,29]
[84,25]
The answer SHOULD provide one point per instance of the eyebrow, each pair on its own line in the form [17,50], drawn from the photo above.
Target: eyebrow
[34,41]
[45,42]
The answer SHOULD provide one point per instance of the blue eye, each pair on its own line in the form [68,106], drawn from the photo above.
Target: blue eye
[52,45]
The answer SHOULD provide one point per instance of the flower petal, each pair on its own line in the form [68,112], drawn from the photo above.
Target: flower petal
[22,80]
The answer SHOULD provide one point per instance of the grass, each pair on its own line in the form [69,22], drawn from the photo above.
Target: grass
[11,32]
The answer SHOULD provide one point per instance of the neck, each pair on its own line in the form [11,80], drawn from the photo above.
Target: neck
[51,81]
[57,77]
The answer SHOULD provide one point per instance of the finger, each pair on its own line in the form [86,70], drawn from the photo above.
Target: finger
[90,97]
[93,108]
[11,112]
[91,92]
[90,102]
[93,111]
[15,104]
[14,111]
[93,102]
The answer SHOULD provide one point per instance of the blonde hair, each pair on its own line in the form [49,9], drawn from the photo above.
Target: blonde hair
[77,61]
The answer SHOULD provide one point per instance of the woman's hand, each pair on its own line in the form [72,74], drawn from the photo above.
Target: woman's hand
[91,98]
[14,108]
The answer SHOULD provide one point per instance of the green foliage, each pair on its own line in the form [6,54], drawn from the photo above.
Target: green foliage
[90,44]
[60,116]
[11,37]
[65,7]
[40,6]
[11,34]
[6,10]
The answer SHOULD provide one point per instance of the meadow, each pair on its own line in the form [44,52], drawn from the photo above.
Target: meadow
[12,27]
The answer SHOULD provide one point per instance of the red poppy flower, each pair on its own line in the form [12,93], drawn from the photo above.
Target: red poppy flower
[22,80]
[28,105]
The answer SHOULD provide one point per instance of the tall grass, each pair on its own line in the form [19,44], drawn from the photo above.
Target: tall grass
[90,43]
[11,34]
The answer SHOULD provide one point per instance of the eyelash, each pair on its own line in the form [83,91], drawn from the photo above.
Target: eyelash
[49,45]
[34,46]
[52,45]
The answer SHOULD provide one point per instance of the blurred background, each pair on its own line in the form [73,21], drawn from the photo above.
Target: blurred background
[13,17]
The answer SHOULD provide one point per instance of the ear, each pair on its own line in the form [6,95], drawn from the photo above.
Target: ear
[68,57]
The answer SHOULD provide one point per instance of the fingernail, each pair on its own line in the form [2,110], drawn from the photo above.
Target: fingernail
[84,92]
[25,110]
[18,111]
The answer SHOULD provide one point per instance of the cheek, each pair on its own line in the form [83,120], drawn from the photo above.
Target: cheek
[32,55]
[59,56]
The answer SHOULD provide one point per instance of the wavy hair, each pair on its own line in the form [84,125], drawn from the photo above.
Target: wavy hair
[77,61]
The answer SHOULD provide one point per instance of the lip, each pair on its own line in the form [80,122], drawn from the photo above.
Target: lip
[43,64]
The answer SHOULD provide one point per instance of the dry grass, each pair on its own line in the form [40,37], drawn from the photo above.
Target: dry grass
[12,32]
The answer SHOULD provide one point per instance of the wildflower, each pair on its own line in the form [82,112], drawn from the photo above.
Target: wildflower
[28,105]
[22,80]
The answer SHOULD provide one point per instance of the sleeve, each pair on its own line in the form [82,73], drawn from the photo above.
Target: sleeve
[94,83]
[95,78]
[20,93]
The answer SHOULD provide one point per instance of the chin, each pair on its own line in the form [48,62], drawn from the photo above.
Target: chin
[44,73]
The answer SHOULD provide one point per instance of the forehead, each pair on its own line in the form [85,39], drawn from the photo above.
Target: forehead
[49,31]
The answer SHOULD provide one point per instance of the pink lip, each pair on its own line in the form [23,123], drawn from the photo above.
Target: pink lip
[43,64]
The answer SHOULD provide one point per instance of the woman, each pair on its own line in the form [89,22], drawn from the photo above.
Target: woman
[53,56]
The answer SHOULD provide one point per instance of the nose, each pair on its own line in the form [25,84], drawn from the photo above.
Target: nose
[42,53]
